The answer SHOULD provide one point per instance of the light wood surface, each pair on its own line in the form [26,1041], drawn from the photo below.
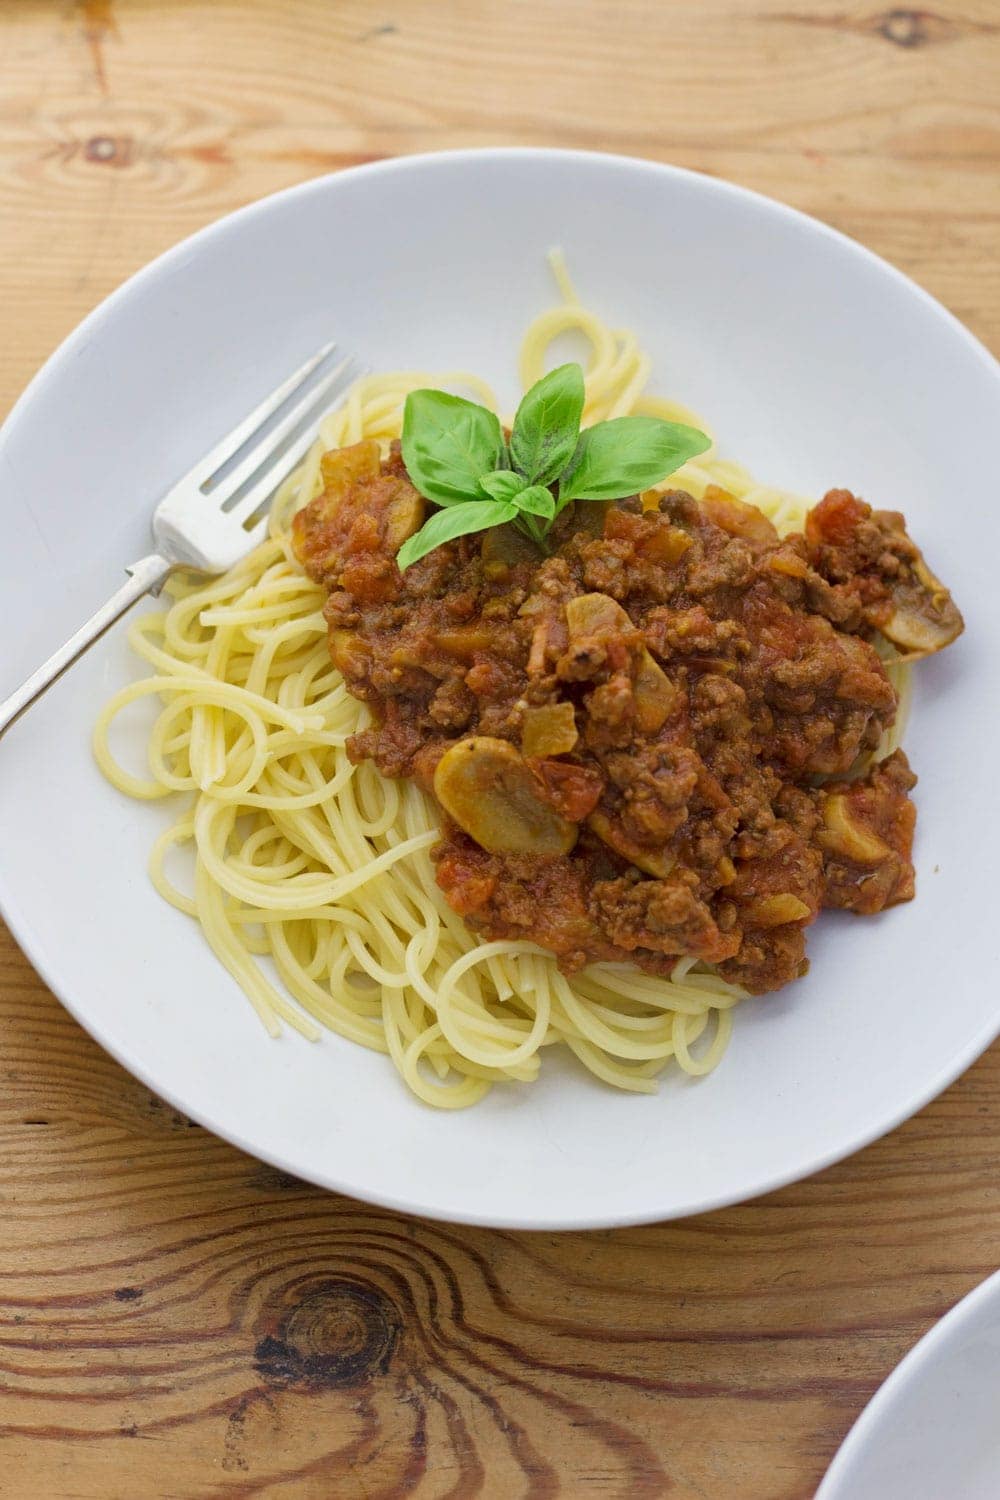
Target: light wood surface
[177,1320]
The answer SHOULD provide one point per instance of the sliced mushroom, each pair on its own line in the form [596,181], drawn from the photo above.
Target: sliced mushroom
[736,517]
[595,614]
[342,467]
[658,862]
[487,788]
[350,652]
[903,598]
[847,836]
[789,563]
[667,544]
[654,694]
[404,516]
[775,911]
[719,666]
[313,527]
[917,635]
[925,617]
[464,641]
[549,730]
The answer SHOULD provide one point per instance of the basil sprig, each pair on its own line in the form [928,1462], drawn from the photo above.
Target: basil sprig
[456,456]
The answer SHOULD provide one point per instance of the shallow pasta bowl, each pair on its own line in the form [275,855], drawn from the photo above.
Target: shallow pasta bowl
[816,364]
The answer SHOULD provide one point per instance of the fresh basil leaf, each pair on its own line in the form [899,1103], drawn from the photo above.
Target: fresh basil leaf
[502,484]
[537,501]
[455,520]
[547,425]
[627,455]
[447,443]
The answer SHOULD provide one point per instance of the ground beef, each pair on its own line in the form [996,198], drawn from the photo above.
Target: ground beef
[713,692]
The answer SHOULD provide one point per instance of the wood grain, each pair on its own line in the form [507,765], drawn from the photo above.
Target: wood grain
[177,1320]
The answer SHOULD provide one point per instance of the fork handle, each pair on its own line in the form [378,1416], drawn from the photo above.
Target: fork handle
[144,576]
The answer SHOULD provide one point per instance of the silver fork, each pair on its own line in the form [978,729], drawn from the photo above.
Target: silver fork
[216,513]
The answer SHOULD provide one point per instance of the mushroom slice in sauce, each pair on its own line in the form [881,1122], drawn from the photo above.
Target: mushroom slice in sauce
[488,789]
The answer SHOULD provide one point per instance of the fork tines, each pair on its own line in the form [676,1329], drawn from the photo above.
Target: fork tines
[245,468]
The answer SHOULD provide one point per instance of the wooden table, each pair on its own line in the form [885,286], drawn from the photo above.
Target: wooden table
[177,1320]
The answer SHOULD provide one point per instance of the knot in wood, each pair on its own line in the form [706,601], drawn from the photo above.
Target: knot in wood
[339,1334]
[110,150]
[912,28]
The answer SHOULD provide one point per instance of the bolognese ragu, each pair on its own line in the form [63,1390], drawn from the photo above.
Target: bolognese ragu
[587,787]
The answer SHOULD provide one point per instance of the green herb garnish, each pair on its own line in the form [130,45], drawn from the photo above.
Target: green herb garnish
[456,456]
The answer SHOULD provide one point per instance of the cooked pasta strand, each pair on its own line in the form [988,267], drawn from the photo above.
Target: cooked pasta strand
[322,865]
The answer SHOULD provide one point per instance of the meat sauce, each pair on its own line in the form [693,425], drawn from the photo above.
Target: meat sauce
[655,742]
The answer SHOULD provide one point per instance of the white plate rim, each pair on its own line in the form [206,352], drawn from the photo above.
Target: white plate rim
[33,944]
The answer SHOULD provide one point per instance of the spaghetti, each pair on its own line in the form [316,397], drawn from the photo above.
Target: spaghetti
[322,868]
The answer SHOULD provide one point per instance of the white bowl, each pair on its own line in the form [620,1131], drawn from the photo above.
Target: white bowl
[816,363]
[931,1431]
